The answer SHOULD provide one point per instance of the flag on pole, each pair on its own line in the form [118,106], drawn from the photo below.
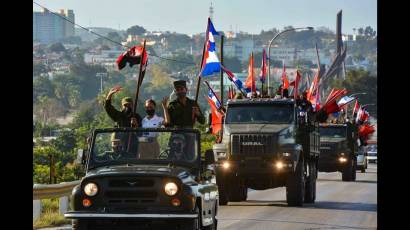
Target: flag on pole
[238,83]
[262,74]
[213,97]
[355,108]
[211,62]
[285,81]
[250,82]
[295,84]
[344,101]
[133,57]
[216,117]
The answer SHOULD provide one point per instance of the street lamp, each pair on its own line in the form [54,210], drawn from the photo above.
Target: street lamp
[270,44]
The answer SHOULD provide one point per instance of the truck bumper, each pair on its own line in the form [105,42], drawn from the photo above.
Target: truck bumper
[88,215]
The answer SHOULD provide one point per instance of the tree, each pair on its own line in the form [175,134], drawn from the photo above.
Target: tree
[39,68]
[358,81]
[136,30]
[57,47]
[47,110]
[42,86]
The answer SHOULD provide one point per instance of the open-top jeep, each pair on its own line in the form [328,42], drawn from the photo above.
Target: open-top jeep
[338,147]
[267,143]
[145,177]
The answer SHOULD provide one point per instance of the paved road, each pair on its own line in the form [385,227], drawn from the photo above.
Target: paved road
[339,205]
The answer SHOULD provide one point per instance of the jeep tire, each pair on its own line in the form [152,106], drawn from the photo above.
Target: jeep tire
[79,224]
[295,186]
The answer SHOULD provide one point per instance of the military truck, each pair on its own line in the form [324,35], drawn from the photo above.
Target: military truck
[338,148]
[267,143]
[145,177]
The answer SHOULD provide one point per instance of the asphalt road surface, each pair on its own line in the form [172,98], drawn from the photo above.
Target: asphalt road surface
[339,205]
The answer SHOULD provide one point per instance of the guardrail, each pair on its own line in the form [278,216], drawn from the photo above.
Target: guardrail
[42,191]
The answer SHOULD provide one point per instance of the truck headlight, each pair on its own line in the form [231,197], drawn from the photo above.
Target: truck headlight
[171,188]
[226,165]
[279,165]
[90,189]
[342,159]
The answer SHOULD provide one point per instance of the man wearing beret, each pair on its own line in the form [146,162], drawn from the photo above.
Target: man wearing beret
[125,117]
[183,111]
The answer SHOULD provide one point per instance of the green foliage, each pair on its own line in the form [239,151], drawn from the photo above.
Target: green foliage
[361,81]
[136,30]
[50,215]
[57,47]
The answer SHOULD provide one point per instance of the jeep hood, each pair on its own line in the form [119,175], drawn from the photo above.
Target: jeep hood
[140,170]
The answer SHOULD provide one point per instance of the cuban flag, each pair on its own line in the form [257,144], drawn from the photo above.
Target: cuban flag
[238,83]
[212,96]
[211,62]
[345,100]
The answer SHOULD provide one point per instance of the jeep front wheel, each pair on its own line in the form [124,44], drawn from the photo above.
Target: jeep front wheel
[310,191]
[79,224]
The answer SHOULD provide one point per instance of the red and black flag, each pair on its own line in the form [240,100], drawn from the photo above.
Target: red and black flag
[132,56]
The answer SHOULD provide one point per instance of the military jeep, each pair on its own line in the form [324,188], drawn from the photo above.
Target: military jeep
[267,143]
[145,178]
[338,147]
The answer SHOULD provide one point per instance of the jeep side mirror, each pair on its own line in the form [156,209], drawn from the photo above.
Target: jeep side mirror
[209,157]
[81,156]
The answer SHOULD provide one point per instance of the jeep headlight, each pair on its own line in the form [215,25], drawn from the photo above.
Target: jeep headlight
[171,188]
[90,189]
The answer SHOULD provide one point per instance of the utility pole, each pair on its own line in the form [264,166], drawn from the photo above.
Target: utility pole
[101,75]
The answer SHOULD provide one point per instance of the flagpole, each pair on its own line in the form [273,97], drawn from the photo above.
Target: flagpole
[222,73]
[139,78]
[199,75]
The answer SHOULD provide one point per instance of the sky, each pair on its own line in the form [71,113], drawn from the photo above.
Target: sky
[190,16]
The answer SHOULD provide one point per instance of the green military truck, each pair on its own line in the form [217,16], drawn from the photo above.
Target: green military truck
[338,148]
[267,143]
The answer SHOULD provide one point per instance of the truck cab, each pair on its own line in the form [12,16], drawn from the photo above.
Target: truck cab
[339,148]
[267,143]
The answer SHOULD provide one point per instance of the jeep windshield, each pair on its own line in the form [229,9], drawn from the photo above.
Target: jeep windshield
[136,146]
[329,131]
[260,114]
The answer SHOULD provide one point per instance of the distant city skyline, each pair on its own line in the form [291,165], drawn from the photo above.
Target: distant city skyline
[189,17]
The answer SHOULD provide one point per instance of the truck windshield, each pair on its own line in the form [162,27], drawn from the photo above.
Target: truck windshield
[260,114]
[332,131]
[137,146]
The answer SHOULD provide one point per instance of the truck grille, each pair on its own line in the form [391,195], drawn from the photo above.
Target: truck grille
[128,190]
[327,151]
[253,144]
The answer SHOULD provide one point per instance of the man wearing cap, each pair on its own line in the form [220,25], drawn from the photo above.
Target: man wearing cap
[183,111]
[125,117]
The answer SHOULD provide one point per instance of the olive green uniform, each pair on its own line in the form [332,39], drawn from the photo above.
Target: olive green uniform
[181,116]
[120,117]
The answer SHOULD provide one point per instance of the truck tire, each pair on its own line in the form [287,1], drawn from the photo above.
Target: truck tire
[221,181]
[238,191]
[295,186]
[354,170]
[347,174]
[79,225]
[310,188]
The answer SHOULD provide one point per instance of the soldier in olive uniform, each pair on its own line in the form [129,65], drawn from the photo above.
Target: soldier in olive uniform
[183,111]
[125,117]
